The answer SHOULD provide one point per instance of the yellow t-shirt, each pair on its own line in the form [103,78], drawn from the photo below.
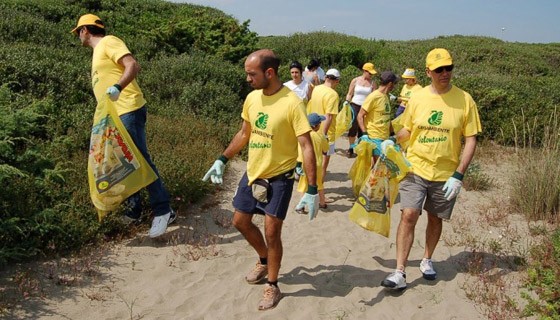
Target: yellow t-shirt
[436,124]
[378,118]
[406,92]
[320,147]
[324,100]
[276,122]
[106,71]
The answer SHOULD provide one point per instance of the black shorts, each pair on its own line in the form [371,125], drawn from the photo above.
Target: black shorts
[279,195]
[354,130]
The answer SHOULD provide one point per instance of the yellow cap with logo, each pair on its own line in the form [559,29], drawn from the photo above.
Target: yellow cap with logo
[437,58]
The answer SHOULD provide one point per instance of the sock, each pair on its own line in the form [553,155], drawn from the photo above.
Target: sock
[273,283]
[263,260]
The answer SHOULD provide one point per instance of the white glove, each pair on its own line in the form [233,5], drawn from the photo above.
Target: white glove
[392,97]
[345,103]
[385,144]
[299,171]
[114,92]
[452,187]
[215,172]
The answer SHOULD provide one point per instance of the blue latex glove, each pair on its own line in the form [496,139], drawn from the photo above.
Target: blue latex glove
[385,144]
[114,92]
[310,200]
[215,172]
[363,137]
[452,187]
[299,171]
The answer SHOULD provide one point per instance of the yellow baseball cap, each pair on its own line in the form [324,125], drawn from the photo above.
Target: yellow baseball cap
[368,66]
[88,20]
[437,58]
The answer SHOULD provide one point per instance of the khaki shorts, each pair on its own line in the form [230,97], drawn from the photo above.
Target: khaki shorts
[419,193]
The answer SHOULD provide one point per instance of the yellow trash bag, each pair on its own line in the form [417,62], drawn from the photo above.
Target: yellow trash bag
[361,167]
[344,120]
[116,168]
[372,209]
[397,163]
[397,126]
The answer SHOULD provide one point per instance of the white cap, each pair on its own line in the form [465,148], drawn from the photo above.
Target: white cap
[334,73]
[409,74]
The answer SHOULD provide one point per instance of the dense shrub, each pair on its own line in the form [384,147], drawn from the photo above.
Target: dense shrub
[47,107]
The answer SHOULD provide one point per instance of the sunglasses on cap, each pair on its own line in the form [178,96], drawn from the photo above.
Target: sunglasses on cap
[446,68]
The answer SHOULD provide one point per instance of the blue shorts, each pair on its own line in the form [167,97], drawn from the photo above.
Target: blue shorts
[279,195]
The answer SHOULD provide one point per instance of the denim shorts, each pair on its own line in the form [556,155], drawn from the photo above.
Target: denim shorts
[279,195]
[416,191]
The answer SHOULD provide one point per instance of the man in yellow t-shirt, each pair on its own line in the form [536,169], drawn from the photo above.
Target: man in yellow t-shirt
[113,76]
[274,122]
[324,102]
[374,117]
[435,121]
[410,86]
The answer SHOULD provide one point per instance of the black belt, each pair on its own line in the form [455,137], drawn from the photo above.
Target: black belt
[283,176]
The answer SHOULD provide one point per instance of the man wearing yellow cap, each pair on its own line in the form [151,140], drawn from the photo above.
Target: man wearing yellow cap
[113,76]
[409,87]
[435,121]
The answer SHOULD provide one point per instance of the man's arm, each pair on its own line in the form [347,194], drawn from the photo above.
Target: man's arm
[327,124]
[403,135]
[239,141]
[361,115]
[131,69]
[468,154]
[309,161]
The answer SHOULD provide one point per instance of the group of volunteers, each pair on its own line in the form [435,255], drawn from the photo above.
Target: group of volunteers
[438,122]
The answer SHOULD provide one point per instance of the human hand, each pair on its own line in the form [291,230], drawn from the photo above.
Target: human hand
[452,187]
[310,200]
[299,169]
[215,172]
[114,92]
[385,144]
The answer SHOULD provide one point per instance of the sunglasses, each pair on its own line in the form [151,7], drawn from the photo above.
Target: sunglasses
[446,68]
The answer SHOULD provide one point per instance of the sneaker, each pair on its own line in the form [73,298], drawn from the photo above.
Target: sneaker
[160,223]
[396,280]
[257,274]
[271,297]
[427,269]
[128,220]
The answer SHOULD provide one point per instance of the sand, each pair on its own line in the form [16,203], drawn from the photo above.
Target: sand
[331,268]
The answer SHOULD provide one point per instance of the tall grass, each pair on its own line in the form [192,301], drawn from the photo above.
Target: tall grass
[536,182]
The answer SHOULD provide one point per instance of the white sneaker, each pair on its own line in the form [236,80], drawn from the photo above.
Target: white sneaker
[396,280]
[427,269]
[160,223]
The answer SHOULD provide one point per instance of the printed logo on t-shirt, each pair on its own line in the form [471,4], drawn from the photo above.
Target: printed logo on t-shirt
[435,118]
[262,120]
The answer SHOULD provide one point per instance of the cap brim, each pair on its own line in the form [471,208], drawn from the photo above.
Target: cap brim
[442,63]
